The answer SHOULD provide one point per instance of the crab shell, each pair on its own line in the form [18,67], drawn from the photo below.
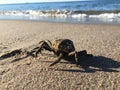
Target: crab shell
[63,45]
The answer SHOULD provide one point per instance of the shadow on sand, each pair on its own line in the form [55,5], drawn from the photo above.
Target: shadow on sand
[86,62]
[93,64]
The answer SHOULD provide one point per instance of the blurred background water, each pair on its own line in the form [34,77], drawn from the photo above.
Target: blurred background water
[96,11]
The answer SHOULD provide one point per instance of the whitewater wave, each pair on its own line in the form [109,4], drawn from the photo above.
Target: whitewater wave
[65,13]
[76,15]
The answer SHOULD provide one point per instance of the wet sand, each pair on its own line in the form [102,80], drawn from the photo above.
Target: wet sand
[18,72]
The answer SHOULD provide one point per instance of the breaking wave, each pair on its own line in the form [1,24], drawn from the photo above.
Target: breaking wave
[109,16]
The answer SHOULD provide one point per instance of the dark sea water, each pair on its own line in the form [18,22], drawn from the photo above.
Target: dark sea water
[97,11]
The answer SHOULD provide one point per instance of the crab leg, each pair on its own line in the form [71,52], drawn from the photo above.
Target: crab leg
[75,54]
[76,58]
[71,53]
[44,45]
[58,60]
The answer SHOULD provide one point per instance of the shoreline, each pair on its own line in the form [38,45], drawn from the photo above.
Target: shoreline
[107,19]
[58,22]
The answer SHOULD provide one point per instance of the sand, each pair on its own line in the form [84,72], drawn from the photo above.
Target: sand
[21,72]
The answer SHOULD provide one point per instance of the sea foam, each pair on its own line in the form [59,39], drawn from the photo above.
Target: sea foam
[77,15]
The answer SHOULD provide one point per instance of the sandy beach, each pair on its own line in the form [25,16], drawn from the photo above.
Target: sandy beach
[19,72]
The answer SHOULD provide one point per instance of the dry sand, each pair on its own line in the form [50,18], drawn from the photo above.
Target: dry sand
[28,73]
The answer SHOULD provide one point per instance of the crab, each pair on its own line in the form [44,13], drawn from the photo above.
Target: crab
[60,47]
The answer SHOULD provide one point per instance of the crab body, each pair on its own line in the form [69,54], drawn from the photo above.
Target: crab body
[64,46]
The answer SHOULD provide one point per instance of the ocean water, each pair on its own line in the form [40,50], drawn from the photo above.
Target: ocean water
[94,11]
